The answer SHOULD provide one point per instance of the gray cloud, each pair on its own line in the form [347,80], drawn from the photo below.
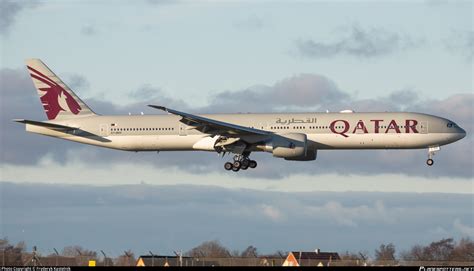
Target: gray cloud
[19,100]
[306,92]
[148,94]
[351,221]
[77,82]
[297,92]
[461,43]
[9,10]
[88,30]
[463,228]
[358,42]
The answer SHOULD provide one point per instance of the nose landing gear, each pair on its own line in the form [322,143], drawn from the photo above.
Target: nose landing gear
[241,162]
[431,152]
[429,162]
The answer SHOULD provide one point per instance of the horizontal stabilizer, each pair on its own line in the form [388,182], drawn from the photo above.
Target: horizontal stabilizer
[53,126]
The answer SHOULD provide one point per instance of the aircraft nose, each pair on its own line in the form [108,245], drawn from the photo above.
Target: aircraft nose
[462,133]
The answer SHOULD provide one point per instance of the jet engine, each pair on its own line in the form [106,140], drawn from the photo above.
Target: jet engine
[292,146]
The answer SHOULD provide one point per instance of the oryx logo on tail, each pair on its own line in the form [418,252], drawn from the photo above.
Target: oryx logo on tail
[55,98]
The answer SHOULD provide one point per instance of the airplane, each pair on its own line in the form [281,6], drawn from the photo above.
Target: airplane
[291,136]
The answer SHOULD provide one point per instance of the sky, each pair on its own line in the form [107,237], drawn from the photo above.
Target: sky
[244,56]
[170,218]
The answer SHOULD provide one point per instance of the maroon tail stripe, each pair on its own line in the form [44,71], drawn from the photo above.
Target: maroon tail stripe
[39,73]
[43,80]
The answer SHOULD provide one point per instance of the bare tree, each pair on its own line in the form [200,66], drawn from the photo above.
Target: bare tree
[463,251]
[11,255]
[212,249]
[351,258]
[82,255]
[442,250]
[73,251]
[385,252]
[126,259]
[249,252]
[414,254]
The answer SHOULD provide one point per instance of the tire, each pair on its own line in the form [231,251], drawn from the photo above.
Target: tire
[228,166]
[245,163]
[237,164]
[252,164]
[244,167]
[429,162]
[235,169]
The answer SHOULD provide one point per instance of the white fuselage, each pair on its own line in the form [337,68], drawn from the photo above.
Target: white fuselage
[323,130]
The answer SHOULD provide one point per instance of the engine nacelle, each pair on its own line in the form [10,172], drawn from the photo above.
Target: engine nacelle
[290,147]
[310,156]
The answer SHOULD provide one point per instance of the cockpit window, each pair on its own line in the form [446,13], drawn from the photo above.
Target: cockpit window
[451,125]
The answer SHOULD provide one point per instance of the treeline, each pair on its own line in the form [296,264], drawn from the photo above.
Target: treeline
[17,255]
[444,250]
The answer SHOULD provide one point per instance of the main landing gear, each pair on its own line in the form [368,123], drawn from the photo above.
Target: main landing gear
[240,162]
[431,152]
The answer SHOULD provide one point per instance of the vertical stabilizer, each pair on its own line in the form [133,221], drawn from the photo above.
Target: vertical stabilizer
[59,101]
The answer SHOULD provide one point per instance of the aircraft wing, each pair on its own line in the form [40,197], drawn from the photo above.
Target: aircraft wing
[207,125]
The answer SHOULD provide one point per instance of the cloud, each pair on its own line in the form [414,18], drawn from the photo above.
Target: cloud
[463,229]
[88,30]
[298,92]
[336,221]
[271,212]
[10,10]
[147,93]
[351,216]
[305,92]
[19,100]
[461,43]
[357,42]
[77,82]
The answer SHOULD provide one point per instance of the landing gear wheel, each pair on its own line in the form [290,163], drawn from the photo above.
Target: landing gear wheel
[252,164]
[429,162]
[237,164]
[228,166]
[240,162]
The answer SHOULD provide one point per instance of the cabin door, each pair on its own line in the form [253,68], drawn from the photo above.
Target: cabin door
[423,127]
[104,131]
[182,129]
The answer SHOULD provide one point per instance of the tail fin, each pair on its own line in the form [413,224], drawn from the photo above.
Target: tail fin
[58,100]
